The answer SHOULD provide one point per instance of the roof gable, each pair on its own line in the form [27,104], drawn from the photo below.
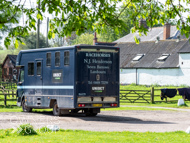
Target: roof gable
[152,35]
[12,58]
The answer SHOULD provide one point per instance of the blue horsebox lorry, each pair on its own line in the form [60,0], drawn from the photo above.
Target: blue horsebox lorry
[69,79]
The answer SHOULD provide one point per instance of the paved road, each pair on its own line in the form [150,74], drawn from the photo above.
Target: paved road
[138,121]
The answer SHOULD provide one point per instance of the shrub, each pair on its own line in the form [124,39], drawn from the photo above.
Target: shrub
[45,129]
[26,129]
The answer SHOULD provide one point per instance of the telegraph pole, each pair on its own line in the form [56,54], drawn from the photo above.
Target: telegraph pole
[38,30]
[47,31]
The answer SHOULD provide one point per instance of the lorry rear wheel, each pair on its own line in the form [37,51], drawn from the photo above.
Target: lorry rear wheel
[56,110]
[89,112]
[25,108]
[93,114]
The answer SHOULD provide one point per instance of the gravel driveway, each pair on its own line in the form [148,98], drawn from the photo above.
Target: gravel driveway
[138,121]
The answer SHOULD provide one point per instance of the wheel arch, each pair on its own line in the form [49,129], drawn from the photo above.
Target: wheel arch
[52,101]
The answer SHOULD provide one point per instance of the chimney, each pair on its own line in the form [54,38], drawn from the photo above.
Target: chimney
[95,40]
[166,31]
[142,22]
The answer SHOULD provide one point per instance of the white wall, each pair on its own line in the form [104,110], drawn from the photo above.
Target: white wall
[175,76]
[127,76]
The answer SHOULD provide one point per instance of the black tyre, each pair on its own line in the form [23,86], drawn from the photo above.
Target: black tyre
[56,110]
[25,108]
[90,113]
[93,114]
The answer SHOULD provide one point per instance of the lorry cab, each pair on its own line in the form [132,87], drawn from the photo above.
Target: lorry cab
[69,79]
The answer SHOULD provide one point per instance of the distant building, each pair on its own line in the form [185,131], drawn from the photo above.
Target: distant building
[162,57]
[165,32]
[164,63]
[9,70]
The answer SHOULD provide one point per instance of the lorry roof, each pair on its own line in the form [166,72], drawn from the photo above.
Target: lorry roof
[65,47]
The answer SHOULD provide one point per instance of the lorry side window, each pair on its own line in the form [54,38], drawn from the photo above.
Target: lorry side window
[30,68]
[48,59]
[57,59]
[39,68]
[66,58]
[21,77]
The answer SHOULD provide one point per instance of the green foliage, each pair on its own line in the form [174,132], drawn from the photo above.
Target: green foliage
[85,38]
[30,41]
[26,129]
[44,130]
[97,15]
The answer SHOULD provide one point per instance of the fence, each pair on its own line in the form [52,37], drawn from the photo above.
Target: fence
[8,85]
[136,96]
[144,96]
[7,95]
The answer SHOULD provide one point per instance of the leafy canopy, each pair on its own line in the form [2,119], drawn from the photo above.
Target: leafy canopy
[86,38]
[82,15]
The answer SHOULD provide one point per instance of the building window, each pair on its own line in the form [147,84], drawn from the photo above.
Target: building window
[66,58]
[10,71]
[39,68]
[48,59]
[30,68]
[163,57]
[138,57]
[57,59]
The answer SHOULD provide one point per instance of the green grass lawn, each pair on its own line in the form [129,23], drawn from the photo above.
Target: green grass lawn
[79,136]
[19,109]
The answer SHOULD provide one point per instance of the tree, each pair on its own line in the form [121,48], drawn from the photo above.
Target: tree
[85,38]
[30,41]
[79,16]
[110,35]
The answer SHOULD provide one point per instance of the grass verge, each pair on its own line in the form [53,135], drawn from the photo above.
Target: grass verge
[80,136]
[19,109]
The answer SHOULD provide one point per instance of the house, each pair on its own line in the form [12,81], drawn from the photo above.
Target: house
[9,70]
[162,57]
[165,32]
[164,63]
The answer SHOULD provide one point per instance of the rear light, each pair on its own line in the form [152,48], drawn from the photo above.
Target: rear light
[81,105]
[113,105]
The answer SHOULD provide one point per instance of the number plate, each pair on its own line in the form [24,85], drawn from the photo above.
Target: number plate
[96,105]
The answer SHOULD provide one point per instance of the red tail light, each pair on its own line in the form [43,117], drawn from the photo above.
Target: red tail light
[113,105]
[81,105]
